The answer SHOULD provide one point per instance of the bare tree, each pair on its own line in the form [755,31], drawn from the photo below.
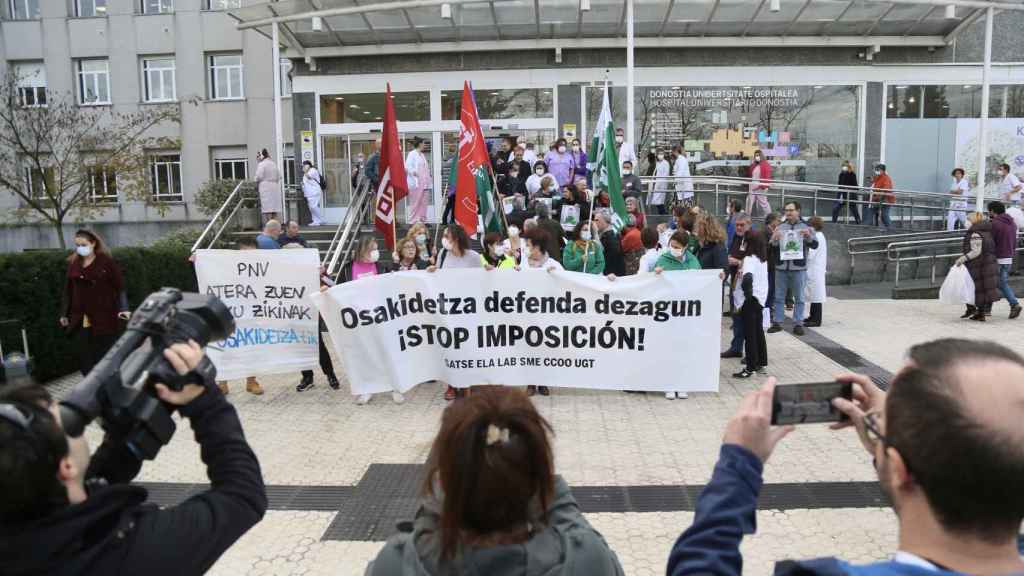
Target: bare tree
[54,154]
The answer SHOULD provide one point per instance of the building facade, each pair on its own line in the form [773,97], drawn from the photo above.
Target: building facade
[132,53]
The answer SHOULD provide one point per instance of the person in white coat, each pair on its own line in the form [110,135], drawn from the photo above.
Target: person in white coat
[662,170]
[268,183]
[681,170]
[417,174]
[626,152]
[312,191]
[960,189]
[817,266]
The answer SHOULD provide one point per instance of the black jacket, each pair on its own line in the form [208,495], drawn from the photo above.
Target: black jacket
[712,256]
[614,262]
[116,532]
[556,237]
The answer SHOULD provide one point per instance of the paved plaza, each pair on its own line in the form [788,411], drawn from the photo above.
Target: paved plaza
[339,475]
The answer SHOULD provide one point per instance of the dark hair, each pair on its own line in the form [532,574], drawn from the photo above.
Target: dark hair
[955,170]
[538,237]
[458,234]
[679,210]
[307,163]
[99,247]
[649,237]
[630,162]
[490,481]
[771,218]
[540,163]
[756,246]
[1005,166]
[817,223]
[489,239]
[682,237]
[796,205]
[417,141]
[949,451]
[29,458]
[996,207]
[264,153]
[247,242]
[687,220]
[560,142]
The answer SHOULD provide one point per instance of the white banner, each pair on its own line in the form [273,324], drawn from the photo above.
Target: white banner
[561,329]
[268,293]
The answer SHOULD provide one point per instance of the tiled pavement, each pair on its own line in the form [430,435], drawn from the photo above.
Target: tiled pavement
[321,438]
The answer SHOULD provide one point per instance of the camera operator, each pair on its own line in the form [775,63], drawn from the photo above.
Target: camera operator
[62,514]
[948,448]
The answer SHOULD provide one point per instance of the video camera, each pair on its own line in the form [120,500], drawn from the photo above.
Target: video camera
[119,390]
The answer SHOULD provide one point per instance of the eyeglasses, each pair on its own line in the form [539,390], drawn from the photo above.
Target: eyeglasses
[873,428]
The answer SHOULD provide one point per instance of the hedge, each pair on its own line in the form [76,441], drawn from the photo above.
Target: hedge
[32,283]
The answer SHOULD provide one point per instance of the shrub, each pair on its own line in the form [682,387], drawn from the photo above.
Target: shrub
[212,194]
[34,283]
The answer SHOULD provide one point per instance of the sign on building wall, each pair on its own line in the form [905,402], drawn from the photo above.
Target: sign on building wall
[1005,145]
[307,146]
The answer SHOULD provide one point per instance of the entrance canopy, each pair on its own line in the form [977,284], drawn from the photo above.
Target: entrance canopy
[324,28]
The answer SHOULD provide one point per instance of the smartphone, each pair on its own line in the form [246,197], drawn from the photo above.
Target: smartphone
[809,403]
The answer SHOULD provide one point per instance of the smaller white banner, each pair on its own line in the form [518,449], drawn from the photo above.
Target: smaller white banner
[791,245]
[268,293]
[570,216]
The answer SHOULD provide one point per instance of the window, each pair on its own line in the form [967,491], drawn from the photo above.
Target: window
[231,168]
[226,77]
[102,184]
[31,78]
[158,76]
[24,9]
[286,77]
[289,171]
[90,8]
[369,107]
[165,177]
[904,102]
[37,181]
[501,104]
[93,82]
[157,6]
[223,4]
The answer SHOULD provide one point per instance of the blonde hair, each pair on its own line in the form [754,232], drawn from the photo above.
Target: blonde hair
[975,217]
[401,246]
[848,163]
[709,229]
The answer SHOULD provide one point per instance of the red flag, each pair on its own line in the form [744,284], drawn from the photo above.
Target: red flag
[472,155]
[393,186]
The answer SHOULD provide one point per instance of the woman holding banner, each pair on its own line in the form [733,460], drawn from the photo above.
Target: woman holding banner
[366,265]
[677,257]
[494,255]
[408,256]
[582,254]
[455,253]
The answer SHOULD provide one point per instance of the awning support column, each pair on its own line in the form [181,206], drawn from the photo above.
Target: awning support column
[630,112]
[278,136]
[985,89]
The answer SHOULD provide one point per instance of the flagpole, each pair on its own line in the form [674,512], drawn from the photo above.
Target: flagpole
[590,218]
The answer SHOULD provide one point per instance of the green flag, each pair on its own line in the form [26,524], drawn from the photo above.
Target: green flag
[606,164]
[485,200]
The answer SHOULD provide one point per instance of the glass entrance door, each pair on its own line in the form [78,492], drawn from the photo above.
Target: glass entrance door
[338,173]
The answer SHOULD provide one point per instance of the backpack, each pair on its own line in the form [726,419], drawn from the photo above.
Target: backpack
[323,181]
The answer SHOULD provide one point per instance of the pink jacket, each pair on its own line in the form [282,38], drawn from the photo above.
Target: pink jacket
[766,173]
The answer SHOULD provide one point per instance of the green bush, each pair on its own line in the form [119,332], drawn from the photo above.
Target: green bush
[34,282]
[212,194]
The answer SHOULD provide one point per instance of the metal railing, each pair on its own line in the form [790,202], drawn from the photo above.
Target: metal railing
[225,215]
[866,245]
[340,249]
[937,248]
[911,209]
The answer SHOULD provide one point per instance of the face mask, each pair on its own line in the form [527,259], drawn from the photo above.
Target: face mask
[878,172]
[585,234]
[626,171]
[619,139]
[846,168]
[661,157]
[84,251]
[446,244]
[513,231]
[499,250]
[539,171]
[561,149]
[757,158]
[374,255]
[676,252]
[421,238]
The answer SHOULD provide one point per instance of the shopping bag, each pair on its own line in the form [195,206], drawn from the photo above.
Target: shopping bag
[957,288]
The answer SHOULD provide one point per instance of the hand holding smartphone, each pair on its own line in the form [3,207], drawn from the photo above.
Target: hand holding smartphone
[809,403]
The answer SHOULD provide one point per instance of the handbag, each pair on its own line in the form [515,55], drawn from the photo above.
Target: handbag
[958,287]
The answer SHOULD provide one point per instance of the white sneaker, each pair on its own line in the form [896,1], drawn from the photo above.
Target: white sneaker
[363,399]
[397,397]
[682,395]
[670,395]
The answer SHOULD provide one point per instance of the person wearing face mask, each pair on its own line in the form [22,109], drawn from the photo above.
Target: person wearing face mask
[418,233]
[579,160]
[560,163]
[495,253]
[881,199]
[548,187]
[677,257]
[409,256]
[94,300]
[659,187]
[681,170]
[417,174]
[760,175]
[540,170]
[847,178]
[518,162]
[512,184]
[455,251]
[626,152]
[631,185]
[1010,188]
[515,246]
[583,253]
[367,264]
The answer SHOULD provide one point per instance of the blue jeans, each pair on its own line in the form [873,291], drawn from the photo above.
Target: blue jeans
[793,280]
[1004,284]
[737,333]
[871,215]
